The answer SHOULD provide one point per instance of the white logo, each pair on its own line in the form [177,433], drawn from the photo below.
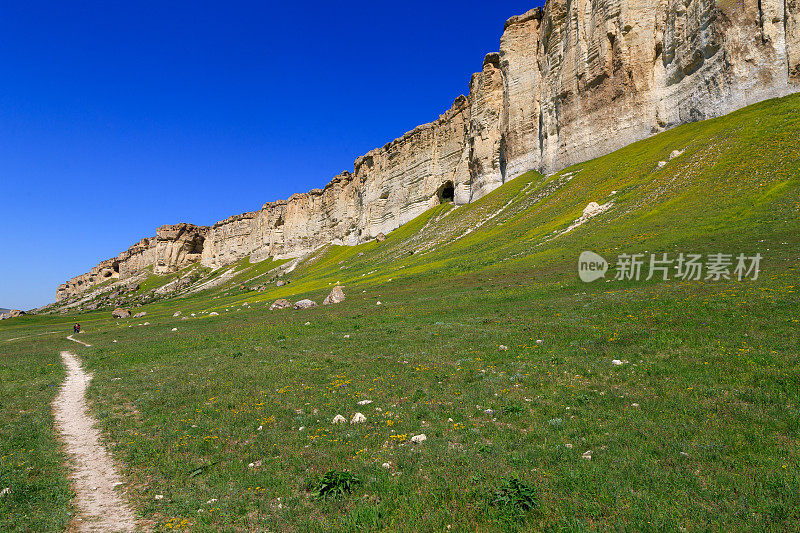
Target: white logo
[591,267]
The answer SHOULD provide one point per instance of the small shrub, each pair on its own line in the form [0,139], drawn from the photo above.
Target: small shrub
[515,497]
[336,484]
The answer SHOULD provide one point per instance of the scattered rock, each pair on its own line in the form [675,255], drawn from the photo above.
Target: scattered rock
[159,496]
[185,318]
[174,329]
[378,303]
[280,283]
[358,418]
[5,491]
[386,466]
[335,297]
[381,237]
[662,164]
[140,315]
[308,323]
[365,402]
[503,348]
[120,313]
[177,314]
[616,362]
[568,446]
[305,304]
[338,419]
[280,303]
[634,405]
[347,336]
[587,455]
[213,313]
[539,341]
[676,153]
[146,324]
[416,439]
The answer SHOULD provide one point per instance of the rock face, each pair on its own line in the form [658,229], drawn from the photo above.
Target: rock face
[574,80]
[335,297]
[174,247]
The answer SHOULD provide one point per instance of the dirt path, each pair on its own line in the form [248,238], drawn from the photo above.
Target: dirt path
[94,478]
[76,340]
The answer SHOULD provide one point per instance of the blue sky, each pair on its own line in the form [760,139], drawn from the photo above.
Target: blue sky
[118,117]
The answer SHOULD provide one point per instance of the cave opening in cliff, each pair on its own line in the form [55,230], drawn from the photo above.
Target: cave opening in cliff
[447,192]
[115,267]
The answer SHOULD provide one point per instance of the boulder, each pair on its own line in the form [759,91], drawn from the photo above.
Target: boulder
[120,313]
[177,314]
[335,297]
[140,315]
[281,303]
[381,237]
[305,304]
[280,283]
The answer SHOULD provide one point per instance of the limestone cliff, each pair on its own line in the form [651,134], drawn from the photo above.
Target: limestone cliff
[173,248]
[572,81]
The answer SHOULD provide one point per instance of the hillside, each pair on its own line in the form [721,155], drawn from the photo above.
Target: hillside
[485,341]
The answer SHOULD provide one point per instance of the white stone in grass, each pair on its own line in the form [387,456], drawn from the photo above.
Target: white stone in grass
[177,314]
[416,439]
[174,329]
[301,428]
[587,455]
[378,303]
[616,362]
[159,496]
[386,466]
[5,491]
[503,348]
[568,446]
[634,405]
[185,318]
[194,314]
[365,402]
[146,324]
[114,340]
[308,323]
[539,341]
[260,428]
[358,418]
[212,500]
[213,314]
[338,419]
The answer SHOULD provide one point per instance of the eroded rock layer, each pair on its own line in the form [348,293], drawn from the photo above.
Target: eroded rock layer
[574,80]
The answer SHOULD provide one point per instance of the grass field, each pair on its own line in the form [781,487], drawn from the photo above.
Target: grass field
[696,430]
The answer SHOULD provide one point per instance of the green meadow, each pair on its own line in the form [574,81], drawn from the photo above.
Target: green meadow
[547,403]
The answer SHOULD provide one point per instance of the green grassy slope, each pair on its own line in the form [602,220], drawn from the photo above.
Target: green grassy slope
[696,431]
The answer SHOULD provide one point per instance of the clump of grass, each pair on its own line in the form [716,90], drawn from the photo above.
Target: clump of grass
[515,498]
[336,484]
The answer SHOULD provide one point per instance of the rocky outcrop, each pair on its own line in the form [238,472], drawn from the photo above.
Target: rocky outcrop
[12,313]
[174,247]
[572,81]
[335,297]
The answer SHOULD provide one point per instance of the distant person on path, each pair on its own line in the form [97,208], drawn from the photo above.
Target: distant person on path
[76,328]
